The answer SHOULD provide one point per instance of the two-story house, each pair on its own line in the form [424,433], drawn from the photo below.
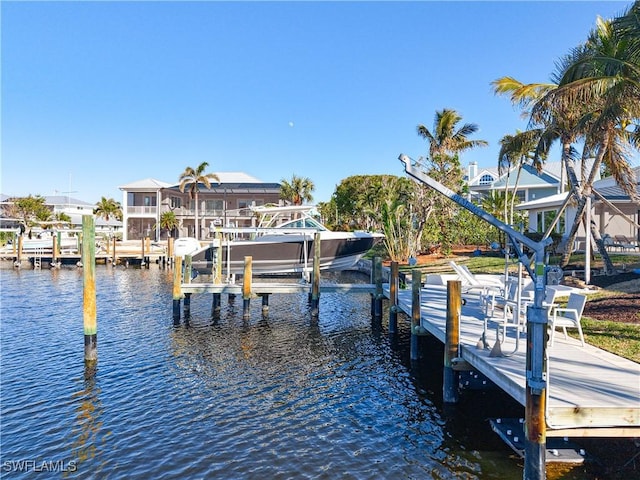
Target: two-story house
[226,203]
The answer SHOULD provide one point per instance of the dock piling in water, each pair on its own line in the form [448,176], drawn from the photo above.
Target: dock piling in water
[393,298]
[89,290]
[177,289]
[452,342]
[246,287]
[416,285]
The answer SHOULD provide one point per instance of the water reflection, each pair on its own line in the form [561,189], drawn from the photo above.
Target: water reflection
[88,443]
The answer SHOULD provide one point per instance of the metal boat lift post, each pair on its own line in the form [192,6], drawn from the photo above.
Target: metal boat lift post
[536,383]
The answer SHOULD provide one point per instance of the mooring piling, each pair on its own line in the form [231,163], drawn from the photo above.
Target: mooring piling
[416,285]
[452,342]
[315,281]
[177,288]
[393,298]
[246,287]
[89,290]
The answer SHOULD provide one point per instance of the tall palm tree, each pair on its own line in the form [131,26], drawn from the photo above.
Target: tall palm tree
[516,151]
[446,142]
[107,208]
[298,191]
[192,178]
[446,138]
[603,77]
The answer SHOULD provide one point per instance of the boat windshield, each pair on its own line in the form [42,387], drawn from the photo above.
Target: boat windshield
[305,222]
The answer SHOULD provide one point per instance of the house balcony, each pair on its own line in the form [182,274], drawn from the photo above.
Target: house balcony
[141,211]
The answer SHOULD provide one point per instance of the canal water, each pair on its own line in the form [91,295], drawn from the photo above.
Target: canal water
[281,396]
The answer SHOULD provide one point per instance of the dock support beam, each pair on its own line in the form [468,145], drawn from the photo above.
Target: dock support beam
[177,289]
[376,279]
[215,305]
[89,291]
[246,288]
[393,298]
[452,342]
[416,285]
[315,280]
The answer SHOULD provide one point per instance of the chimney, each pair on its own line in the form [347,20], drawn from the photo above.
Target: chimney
[472,170]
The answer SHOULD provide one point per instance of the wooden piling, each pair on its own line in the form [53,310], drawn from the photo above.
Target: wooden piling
[177,289]
[114,258]
[393,298]
[20,240]
[187,306]
[215,305]
[377,281]
[170,241]
[315,285]
[188,268]
[89,289]
[265,303]
[54,251]
[416,285]
[452,342]
[246,287]
[142,263]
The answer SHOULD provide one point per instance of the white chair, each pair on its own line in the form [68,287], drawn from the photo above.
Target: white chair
[471,283]
[569,316]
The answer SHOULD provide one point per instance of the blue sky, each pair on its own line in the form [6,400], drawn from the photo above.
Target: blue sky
[98,95]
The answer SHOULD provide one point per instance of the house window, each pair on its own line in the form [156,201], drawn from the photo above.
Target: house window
[546,218]
[175,202]
[213,206]
[486,179]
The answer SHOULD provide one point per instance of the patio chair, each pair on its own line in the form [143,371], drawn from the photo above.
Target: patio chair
[471,282]
[624,243]
[568,317]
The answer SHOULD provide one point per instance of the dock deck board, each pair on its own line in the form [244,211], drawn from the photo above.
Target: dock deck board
[591,392]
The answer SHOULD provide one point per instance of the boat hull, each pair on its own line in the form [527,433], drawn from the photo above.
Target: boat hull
[281,256]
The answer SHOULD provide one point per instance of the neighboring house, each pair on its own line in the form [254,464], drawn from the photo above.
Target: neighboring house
[75,209]
[619,217]
[532,185]
[225,203]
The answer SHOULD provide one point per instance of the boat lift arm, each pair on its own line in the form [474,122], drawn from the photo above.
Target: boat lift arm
[535,421]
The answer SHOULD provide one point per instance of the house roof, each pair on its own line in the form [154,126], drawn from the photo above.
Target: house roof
[550,201]
[146,184]
[235,187]
[529,177]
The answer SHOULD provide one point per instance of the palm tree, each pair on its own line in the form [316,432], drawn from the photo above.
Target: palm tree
[298,191]
[446,142]
[168,222]
[192,178]
[445,138]
[516,151]
[603,77]
[107,208]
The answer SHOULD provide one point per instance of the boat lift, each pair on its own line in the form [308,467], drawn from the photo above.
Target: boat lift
[536,381]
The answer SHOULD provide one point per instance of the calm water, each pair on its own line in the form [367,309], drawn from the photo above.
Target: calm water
[269,398]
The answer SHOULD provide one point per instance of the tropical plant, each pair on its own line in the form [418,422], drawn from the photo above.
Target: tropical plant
[298,191]
[30,210]
[168,222]
[107,208]
[446,142]
[192,178]
[595,98]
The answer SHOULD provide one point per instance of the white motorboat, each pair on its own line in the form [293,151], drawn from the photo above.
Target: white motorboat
[282,243]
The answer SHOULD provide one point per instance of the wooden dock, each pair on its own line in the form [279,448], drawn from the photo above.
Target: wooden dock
[591,392]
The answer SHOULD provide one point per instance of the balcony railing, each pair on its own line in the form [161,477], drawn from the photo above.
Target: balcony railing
[141,210]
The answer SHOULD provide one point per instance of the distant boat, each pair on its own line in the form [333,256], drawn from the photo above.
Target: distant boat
[43,243]
[283,243]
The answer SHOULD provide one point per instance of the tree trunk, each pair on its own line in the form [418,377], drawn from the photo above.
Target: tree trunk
[582,201]
[609,269]
[197,232]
